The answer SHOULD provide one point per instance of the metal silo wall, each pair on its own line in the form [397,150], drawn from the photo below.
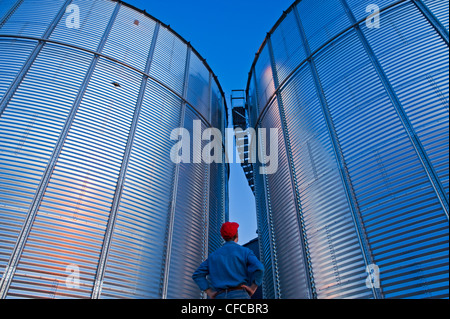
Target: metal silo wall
[86,180]
[363,158]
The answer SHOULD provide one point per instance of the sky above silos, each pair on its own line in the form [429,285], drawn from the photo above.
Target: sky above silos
[227,34]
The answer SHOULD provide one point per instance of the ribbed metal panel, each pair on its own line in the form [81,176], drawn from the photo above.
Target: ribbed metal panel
[252,102]
[13,55]
[265,238]
[440,9]
[216,207]
[31,18]
[199,91]
[145,202]
[265,86]
[6,8]
[87,186]
[135,28]
[339,269]
[384,168]
[288,51]
[285,220]
[32,121]
[188,247]
[264,214]
[422,91]
[79,194]
[363,8]
[372,176]
[94,17]
[322,20]
[217,119]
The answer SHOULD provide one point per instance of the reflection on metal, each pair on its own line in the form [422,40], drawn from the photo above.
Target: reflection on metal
[19,77]
[366,149]
[402,114]
[243,141]
[24,233]
[268,252]
[443,32]
[96,293]
[311,293]
[10,13]
[169,231]
[88,193]
[337,150]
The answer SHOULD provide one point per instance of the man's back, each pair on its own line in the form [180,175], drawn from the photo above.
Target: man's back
[230,266]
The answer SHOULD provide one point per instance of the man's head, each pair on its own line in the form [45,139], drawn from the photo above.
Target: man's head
[229,231]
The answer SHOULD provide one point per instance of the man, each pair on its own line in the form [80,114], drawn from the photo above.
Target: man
[233,271]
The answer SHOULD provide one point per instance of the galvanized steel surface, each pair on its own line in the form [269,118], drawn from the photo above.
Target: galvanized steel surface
[87,185]
[364,117]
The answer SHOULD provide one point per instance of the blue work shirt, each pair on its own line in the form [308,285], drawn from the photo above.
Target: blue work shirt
[230,266]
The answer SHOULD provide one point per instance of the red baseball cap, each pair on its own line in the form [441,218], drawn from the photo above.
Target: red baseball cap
[229,230]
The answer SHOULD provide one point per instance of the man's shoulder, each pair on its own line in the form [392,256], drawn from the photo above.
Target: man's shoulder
[232,246]
[237,247]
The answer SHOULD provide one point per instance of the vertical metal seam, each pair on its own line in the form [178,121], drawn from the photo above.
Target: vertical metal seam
[29,220]
[109,58]
[273,242]
[20,76]
[122,173]
[292,173]
[435,23]
[403,116]
[210,100]
[328,42]
[226,175]
[224,165]
[205,244]
[97,284]
[208,181]
[223,170]
[171,217]
[206,212]
[338,153]
[10,13]
[272,238]
[260,243]
[259,221]
[31,58]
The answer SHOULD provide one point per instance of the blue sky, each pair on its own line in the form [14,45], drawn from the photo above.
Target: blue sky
[227,34]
